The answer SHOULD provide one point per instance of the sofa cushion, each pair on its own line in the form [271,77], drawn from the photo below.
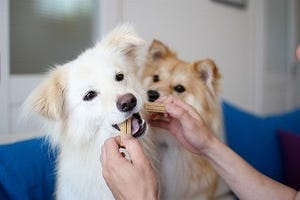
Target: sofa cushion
[254,138]
[27,170]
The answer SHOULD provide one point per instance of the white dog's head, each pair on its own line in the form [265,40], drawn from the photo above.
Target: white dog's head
[96,91]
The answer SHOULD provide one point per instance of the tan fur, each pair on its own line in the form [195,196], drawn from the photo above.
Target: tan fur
[201,82]
[48,99]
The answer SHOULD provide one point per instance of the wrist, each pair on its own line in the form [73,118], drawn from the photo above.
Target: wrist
[149,195]
[152,196]
[211,146]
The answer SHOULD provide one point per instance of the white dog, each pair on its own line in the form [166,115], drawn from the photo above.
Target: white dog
[83,101]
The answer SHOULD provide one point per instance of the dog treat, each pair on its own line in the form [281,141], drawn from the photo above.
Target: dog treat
[125,128]
[155,107]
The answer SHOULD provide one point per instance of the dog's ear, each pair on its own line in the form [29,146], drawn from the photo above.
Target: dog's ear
[125,40]
[208,73]
[159,50]
[48,98]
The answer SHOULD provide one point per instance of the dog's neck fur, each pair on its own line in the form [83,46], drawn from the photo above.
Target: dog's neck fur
[86,168]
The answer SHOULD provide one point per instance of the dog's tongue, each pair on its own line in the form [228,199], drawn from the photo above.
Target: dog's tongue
[134,125]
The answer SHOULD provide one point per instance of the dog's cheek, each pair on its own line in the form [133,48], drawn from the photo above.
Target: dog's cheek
[197,102]
[86,116]
[82,129]
[146,81]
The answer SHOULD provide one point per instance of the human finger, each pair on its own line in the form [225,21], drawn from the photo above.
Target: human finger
[170,99]
[135,150]
[111,148]
[159,123]
[178,113]
[178,102]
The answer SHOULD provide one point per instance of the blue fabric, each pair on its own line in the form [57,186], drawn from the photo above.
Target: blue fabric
[27,170]
[27,167]
[255,139]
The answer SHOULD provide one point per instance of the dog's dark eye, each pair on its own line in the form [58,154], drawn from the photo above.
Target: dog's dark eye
[119,77]
[90,95]
[179,88]
[155,78]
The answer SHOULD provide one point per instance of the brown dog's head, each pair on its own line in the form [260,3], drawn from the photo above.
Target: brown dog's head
[196,83]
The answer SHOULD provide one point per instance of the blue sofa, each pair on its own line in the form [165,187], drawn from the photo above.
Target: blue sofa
[256,139]
[27,168]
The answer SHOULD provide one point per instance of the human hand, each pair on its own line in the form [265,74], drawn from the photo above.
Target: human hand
[133,179]
[185,123]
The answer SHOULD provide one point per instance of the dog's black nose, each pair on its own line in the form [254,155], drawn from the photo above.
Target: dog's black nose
[152,95]
[126,102]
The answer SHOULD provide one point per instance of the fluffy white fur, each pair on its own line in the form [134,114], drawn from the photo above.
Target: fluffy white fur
[78,127]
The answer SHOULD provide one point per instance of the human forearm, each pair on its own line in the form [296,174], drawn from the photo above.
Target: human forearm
[243,179]
[187,126]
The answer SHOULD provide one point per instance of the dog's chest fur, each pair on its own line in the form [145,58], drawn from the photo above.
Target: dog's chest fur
[181,174]
[79,172]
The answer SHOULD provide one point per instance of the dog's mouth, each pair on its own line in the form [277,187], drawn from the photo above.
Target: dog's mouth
[138,125]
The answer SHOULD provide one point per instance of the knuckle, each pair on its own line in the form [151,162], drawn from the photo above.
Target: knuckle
[107,141]
[131,142]
[181,112]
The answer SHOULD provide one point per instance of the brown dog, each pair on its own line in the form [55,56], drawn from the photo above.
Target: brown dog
[183,174]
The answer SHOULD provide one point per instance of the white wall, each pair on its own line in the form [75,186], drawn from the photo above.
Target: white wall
[280,80]
[4,71]
[198,29]
[237,39]
[249,45]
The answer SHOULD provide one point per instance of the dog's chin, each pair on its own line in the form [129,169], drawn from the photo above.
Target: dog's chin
[138,125]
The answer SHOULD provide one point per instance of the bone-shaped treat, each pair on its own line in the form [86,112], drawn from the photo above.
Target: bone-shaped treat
[155,107]
[125,128]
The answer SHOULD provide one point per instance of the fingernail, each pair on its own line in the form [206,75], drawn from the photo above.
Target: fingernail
[124,153]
